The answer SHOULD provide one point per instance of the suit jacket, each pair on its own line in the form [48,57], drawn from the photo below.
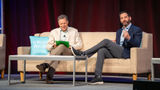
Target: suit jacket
[73,38]
[135,40]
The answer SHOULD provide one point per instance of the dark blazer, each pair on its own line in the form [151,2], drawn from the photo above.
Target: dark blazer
[135,40]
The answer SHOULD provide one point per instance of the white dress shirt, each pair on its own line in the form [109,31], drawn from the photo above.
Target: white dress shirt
[72,36]
[126,29]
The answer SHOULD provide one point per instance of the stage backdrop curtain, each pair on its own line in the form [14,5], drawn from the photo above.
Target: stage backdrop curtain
[23,18]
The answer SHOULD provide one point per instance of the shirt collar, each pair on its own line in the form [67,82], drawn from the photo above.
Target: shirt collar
[64,31]
[128,27]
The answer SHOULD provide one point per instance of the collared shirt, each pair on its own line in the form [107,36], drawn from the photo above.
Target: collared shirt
[122,38]
[63,35]
[72,37]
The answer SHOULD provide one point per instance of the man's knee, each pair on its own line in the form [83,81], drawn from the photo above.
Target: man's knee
[58,50]
[106,40]
[61,46]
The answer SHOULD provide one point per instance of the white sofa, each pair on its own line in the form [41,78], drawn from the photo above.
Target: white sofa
[139,62]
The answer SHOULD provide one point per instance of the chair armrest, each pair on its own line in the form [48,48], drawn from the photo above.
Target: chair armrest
[2,40]
[136,52]
[23,50]
[2,58]
[140,59]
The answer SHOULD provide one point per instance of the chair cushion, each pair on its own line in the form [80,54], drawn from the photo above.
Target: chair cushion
[38,45]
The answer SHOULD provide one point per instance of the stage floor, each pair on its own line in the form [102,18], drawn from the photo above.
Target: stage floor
[64,82]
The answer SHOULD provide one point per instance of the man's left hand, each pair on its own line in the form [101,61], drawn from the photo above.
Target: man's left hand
[126,35]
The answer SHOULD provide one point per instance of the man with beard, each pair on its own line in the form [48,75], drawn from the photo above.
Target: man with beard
[126,37]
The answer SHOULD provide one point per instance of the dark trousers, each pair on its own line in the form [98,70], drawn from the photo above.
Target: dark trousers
[104,49]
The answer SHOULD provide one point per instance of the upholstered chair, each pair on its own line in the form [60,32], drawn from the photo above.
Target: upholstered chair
[2,54]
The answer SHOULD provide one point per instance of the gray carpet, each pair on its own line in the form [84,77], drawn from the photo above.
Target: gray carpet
[33,82]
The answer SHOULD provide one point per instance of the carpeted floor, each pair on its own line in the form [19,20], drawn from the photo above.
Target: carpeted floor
[64,82]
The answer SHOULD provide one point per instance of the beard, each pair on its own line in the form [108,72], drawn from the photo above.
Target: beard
[125,23]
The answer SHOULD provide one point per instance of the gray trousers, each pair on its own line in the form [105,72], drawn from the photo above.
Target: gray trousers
[104,49]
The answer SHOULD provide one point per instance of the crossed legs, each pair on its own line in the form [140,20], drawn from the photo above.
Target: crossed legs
[52,65]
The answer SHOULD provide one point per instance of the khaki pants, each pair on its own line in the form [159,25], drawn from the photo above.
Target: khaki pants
[59,50]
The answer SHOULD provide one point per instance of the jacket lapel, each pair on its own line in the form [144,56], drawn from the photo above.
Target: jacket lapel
[130,30]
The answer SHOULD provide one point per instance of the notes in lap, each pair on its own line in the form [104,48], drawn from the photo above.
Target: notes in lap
[66,43]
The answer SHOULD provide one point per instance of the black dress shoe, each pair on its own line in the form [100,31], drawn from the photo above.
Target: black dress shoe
[77,52]
[41,68]
[96,80]
[50,74]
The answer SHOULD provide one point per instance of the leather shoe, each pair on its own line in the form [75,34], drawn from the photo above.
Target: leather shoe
[41,68]
[77,52]
[96,80]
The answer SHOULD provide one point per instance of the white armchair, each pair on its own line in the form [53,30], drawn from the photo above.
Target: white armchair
[2,53]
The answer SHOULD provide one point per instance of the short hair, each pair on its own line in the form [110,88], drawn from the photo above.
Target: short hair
[62,16]
[124,12]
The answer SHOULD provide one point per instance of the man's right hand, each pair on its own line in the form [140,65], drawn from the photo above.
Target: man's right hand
[126,35]
[113,40]
[54,46]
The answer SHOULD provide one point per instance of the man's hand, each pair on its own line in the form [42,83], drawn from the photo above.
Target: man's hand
[51,43]
[126,35]
[114,41]
[54,46]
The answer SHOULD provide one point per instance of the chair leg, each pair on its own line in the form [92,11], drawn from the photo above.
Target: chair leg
[40,75]
[22,76]
[2,73]
[149,76]
[135,76]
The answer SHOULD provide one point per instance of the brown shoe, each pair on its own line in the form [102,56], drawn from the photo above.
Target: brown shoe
[41,68]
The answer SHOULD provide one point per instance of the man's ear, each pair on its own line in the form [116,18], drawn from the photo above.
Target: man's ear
[130,18]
